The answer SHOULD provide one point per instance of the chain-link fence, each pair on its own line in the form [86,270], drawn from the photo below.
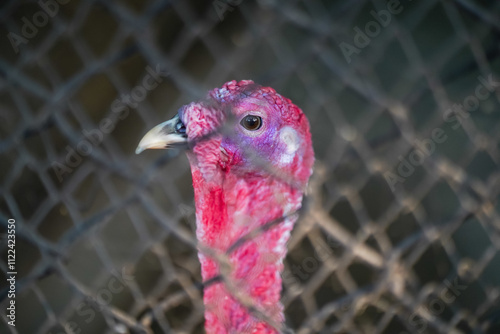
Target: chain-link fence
[400,228]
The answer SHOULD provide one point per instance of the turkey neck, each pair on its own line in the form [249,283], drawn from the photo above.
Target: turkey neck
[229,206]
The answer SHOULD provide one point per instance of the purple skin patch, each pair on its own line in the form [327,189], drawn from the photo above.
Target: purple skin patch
[245,144]
[239,143]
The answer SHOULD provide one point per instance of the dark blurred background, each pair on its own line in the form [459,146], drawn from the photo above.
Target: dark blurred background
[401,227]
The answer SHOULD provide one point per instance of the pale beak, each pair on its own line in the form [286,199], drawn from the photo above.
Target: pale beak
[164,135]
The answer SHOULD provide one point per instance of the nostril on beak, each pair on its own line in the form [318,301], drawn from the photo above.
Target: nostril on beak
[180,128]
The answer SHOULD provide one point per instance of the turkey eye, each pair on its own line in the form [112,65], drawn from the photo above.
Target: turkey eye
[251,122]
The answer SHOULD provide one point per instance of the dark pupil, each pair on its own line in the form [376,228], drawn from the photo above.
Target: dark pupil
[251,122]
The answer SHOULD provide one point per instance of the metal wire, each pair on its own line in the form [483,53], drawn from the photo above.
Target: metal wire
[400,228]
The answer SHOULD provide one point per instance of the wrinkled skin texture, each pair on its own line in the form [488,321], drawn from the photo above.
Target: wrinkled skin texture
[244,179]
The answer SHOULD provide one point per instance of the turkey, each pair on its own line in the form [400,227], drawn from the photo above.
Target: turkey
[251,157]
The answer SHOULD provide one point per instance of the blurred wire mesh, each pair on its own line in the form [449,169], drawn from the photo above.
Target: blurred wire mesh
[390,240]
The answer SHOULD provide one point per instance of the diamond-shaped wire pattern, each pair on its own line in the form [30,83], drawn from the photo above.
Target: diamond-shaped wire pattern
[400,230]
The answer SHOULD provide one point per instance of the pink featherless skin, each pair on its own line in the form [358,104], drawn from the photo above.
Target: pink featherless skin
[242,180]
